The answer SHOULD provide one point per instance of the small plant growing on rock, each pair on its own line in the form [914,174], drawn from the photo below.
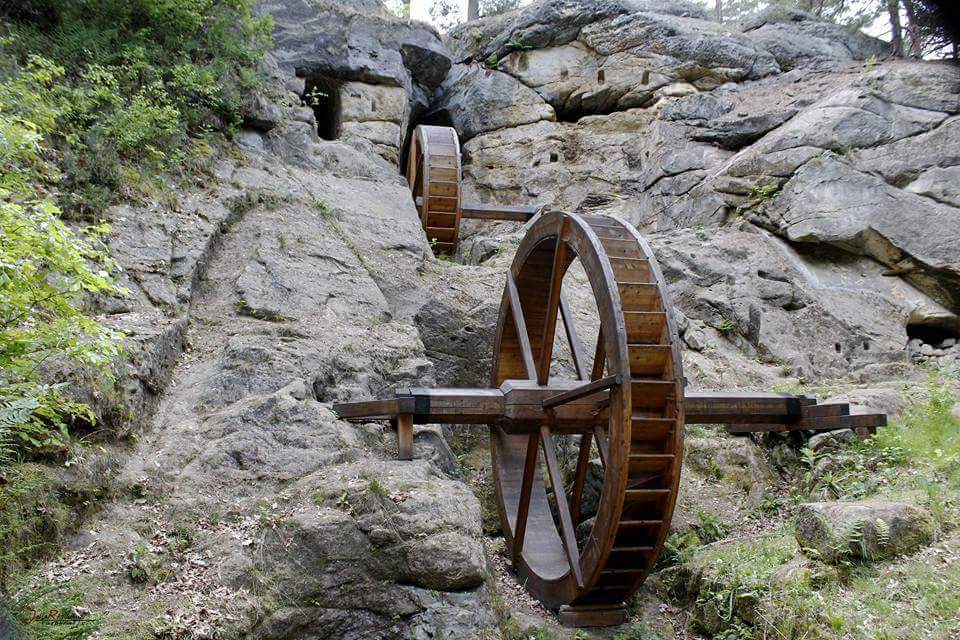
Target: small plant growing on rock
[376,488]
[726,325]
[518,45]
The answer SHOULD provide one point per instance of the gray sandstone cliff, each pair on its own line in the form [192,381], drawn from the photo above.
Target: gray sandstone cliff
[803,206]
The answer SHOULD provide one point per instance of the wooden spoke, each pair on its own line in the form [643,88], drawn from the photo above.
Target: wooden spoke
[526,489]
[576,346]
[569,535]
[582,391]
[580,475]
[553,302]
[520,325]
[599,358]
[601,443]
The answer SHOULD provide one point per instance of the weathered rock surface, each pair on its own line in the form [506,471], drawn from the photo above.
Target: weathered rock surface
[796,38]
[375,70]
[865,530]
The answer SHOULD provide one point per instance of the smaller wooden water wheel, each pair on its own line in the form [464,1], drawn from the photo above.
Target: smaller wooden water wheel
[433,173]
[435,177]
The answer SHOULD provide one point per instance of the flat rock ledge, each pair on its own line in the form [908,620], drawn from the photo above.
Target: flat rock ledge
[862,530]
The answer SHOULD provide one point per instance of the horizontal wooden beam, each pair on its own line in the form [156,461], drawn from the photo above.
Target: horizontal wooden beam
[522,406]
[477,211]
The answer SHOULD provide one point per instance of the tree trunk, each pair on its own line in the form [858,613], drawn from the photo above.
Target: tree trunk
[916,39]
[896,32]
[473,9]
[719,10]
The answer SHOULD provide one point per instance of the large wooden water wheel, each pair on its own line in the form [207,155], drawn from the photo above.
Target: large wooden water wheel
[639,434]
[436,181]
[625,406]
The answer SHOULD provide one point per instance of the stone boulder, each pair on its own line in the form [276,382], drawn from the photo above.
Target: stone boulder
[629,60]
[863,530]
[828,202]
[553,23]
[478,100]
[797,38]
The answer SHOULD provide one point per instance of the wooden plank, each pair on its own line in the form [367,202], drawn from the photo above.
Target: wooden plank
[631,270]
[576,346]
[649,359]
[442,188]
[637,296]
[508,213]
[372,409]
[584,616]
[526,489]
[601,443]
[553,302]
[568,533]
[520,326]
[441,234]
[645,326]
[441,219]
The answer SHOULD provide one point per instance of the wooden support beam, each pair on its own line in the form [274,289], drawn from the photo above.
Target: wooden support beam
[526,490]
[553,302]
[404,426]
[509,213]
[582,391]
[520,326]
[576,346]
[568,533]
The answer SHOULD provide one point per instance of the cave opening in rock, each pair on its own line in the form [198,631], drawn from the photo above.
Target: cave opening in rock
[322,94]
[933,334]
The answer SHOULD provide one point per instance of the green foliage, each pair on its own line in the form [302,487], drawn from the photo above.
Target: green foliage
[376,488]
[110,83]
[47,272]
[518,45]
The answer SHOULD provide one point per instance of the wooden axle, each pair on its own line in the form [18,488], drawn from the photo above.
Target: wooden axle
[571,406]
[505,212]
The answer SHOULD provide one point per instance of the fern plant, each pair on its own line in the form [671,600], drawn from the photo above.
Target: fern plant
[883,533]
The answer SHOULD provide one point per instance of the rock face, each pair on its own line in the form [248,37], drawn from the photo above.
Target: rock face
[781,184]
[292,278]
[802,172]
[865,530]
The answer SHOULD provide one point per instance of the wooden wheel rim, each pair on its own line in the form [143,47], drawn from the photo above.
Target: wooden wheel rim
[613,565]
[434,176]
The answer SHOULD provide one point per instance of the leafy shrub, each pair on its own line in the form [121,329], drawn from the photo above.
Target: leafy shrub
[113,81]
[46,273]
